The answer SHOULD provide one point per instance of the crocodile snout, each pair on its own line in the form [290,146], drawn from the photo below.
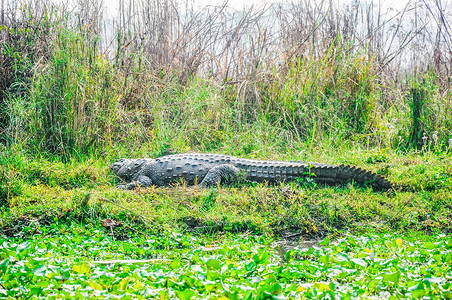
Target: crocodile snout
[116,166]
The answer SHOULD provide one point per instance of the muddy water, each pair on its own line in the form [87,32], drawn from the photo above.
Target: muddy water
[283,246]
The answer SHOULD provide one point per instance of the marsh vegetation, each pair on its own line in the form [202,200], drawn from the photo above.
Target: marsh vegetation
[328,82]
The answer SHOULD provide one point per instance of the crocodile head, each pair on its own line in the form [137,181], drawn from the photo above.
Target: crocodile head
[126,168]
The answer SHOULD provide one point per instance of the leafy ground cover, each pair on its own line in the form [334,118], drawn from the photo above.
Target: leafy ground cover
[67,232]
[85,260]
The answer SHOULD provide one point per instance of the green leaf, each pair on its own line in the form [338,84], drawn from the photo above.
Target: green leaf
[437,258]
[429,245]
[250,266]
[175,264]
[35,290]
[4,265]
[359,262]
[352,241]
[342,257]
[40,270]
[81,269]
[95,286]
[324,259]
[391,277]
[23,246]
[275,289]
[261,257]
[137,285]
[213,264]
[448,257]
[321,286]
[411,248]
[185,294]
[124,283]
[417,291]
[325,242]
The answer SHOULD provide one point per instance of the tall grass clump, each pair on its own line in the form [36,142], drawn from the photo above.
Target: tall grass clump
[22,44]
[327,98]
[73,99]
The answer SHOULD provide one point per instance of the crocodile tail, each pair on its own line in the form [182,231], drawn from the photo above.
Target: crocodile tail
[340,174]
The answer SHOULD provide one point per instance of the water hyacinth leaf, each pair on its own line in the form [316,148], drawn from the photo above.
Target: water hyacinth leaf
[410,248]
[213,275]
[185,294]
[23,246]
[175,264]
[309,251]
[321,286]
[124,283]
[171,282]
[213,264]
[437,258]
[448,257]
[342,259]
[417,291]
[95,286]
[37,291]
[43,284]
[196,258]
[244,247]
[226,267]
[390,244]
[250,266]
[359,262]
[324,259]
[4,265]
[81,269]
[301,288]
[362,255]
[40,270]
[225,249]
[197,268]
[325,242]
[351,241]
[261,257]
[391,277]
[275,289]
[424,252]
[256,274]
[189,281]
[429,245]
[137,285]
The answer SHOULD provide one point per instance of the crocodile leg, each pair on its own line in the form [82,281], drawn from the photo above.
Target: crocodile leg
[141,181]
[218,174]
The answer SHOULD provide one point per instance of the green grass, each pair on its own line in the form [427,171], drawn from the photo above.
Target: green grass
[36,186]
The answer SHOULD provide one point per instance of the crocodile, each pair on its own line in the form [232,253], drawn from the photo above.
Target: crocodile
[210,170]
